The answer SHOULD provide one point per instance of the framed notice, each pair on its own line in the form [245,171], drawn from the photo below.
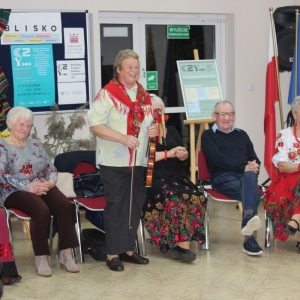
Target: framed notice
[200,86]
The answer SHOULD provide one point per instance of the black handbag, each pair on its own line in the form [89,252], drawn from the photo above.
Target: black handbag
[88,185]
[93,242]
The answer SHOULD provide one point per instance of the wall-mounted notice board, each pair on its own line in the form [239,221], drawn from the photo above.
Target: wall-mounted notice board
[45,56]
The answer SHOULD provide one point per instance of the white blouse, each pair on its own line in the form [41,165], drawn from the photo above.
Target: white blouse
[110,153]
[287,149]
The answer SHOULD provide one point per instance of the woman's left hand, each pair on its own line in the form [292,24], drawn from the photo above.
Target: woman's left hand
[51,184]
[181,153]
[152,131]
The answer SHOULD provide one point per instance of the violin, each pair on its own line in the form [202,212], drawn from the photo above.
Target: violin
[151,154]
[151,161]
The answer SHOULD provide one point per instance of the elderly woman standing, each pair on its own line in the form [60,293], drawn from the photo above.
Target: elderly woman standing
[121,118]
[282,199]
[28,183]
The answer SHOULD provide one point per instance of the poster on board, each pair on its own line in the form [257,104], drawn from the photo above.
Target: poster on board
[200,86]
[46,59]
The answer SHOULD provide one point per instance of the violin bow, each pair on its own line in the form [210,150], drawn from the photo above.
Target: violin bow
[131,186]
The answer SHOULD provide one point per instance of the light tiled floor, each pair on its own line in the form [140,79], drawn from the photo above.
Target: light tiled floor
[223,272]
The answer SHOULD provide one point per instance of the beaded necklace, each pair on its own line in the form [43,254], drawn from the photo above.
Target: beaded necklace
[295,133]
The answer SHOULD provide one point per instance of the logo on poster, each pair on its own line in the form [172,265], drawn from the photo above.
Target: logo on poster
[191,68]
[19,54]
[61,68]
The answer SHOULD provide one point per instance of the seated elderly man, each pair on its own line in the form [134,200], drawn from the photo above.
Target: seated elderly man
[233,166]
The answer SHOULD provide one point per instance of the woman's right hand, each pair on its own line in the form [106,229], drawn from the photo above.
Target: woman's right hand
[131,141]
[39,188]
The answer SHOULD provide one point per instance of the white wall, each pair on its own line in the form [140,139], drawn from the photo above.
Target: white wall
[247,32]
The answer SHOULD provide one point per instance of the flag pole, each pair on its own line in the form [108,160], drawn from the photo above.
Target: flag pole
[276,64]
[296,56]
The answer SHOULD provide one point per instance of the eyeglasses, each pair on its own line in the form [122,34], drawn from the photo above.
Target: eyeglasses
[223,115]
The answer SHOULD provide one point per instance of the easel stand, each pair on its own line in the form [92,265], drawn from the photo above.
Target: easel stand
[194,149]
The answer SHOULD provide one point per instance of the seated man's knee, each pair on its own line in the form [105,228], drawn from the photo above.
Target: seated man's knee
[250,176]
[230,186]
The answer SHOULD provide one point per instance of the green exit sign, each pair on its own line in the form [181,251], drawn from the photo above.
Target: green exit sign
[151,78]
[178,31]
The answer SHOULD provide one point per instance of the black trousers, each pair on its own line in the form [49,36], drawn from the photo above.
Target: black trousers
[40,209]
[117,187]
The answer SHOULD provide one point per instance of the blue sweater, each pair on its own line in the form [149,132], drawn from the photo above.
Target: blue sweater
[225,152]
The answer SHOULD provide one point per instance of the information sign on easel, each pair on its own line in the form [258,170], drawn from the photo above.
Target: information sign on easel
[200,86]
[201,90]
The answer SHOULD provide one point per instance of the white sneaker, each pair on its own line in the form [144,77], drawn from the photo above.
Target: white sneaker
[252,225]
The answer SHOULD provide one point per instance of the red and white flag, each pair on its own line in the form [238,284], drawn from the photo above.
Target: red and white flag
[272,95]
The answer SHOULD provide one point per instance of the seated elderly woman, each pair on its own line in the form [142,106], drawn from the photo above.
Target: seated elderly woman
[28,183]
[282,200]
[175,208]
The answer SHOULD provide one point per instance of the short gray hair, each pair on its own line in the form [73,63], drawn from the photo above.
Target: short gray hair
[295,104]
[158,100]
[17,112]
[123,54]
[223,102]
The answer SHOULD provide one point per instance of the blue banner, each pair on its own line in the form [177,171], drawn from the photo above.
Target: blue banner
[293,92]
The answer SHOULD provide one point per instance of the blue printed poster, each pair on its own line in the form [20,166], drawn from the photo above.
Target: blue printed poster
[33,75]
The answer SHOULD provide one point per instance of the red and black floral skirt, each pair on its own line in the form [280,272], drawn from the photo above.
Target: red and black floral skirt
[281,201]
[174,212]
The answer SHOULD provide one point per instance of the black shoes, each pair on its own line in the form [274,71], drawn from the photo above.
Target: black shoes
[115,264]
[298,246]
[251,247]
[134,258]
[290,229]
[182,254]
[10,279]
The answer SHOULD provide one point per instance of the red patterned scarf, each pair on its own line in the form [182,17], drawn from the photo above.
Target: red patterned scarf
[135,111]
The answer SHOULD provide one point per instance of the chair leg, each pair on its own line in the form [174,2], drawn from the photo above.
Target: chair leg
[137,246]
[267,231]
[73,250]
[143,239]
[79,230]
[51,234]
[206,245]
[240,205]
[25,222]
[57,245]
